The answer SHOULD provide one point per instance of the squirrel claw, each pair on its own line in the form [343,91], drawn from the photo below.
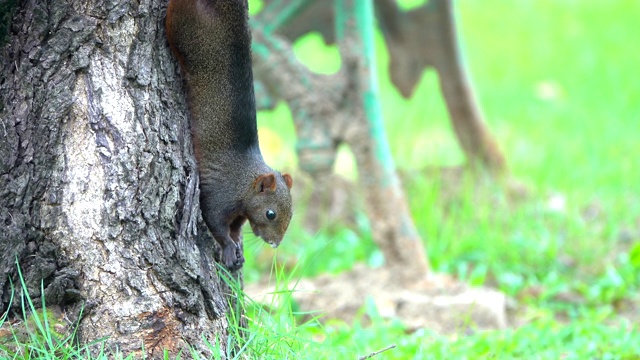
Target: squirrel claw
[232,257]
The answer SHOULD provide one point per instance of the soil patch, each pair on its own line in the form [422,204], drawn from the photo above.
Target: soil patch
[438,302]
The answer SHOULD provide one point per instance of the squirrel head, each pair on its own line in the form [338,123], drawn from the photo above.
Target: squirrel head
[269,208]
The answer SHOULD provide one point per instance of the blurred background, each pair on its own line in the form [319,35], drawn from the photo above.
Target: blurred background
[557,83]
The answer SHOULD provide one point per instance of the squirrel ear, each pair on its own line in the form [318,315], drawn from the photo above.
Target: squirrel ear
[288,180]
[265,182]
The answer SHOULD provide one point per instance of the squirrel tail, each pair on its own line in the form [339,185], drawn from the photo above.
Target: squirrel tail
[212,41]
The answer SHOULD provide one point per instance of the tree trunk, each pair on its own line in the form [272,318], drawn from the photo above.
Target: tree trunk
[98,186]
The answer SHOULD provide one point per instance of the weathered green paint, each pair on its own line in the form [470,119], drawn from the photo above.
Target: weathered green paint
[346,11]
[364,16]
[321,147]
[284,13]
[340,19]
[259,49]
[264,49]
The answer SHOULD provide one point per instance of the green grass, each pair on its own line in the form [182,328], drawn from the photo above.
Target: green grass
[557,83]
[40,333]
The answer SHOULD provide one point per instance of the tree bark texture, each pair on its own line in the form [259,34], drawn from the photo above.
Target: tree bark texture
[98,186]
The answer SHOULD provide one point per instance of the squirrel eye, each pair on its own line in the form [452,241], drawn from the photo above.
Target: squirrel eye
[271,214]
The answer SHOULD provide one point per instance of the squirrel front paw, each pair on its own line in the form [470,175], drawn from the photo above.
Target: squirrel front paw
[232,257]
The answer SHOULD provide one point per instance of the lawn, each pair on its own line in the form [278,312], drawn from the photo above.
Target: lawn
[555,80]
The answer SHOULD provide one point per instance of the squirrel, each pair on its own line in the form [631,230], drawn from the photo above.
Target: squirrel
[211,40]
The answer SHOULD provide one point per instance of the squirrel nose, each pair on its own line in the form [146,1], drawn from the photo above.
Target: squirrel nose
[274,242]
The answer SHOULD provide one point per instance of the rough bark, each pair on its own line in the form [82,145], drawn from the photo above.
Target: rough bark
[98,188]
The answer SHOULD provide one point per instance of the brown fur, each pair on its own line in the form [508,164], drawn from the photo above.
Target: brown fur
[212,42]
